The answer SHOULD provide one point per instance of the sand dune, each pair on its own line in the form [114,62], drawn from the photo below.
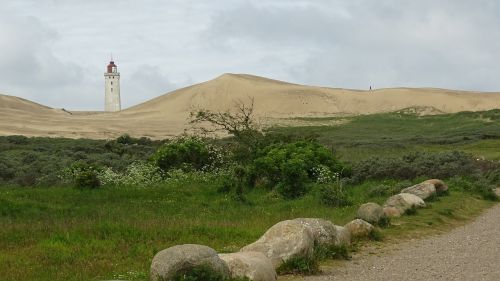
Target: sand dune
[166,115]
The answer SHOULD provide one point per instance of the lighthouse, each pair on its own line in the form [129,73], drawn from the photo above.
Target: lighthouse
[112,88]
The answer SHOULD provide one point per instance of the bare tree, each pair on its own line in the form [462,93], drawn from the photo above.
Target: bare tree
[239,123]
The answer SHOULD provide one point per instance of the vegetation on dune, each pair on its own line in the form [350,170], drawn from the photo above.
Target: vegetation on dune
[138,196]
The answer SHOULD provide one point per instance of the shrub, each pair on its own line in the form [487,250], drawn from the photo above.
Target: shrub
[234,181]
[82,175]
[16,139]
[334,195]
[142,174]
[419,164]
[289,167]
[310,264]
[299,265]
[323,174]
[138,173]
[125,139]
[293,178]
[376,235]
[480,186]
[186,153]
[322,252]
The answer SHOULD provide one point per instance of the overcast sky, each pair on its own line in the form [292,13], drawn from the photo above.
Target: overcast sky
[55,51]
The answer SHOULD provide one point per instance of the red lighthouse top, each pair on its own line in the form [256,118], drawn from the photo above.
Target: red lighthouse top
[112,67]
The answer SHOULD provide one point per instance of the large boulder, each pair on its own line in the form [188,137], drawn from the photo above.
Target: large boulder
[253,265]
[180,259]
[343,236]
[423,190]
[404,201]
[371,212]
[392,212]
[283,241]
[440,186]
[359,228]
[497,191]
[323,231]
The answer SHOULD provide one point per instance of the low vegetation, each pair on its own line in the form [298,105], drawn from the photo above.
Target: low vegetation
[135,197]
[205,273]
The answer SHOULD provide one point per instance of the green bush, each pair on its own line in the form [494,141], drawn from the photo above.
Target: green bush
[299,265]
[187,153]
[39,161]
[83,175]
[289,167]
[234,181]
[334,195]
[419,164]
[322,252]
[480,186]
[376,234]
[309,265]
[139,173]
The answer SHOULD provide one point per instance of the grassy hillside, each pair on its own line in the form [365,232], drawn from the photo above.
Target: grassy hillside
[397,133]
[63,233]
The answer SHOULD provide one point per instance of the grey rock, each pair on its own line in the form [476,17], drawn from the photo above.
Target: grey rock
[404,201]
[323,231]
[392,212]
[359,228]
[423,190]
[167,263]
[371,212]
[438,184]
[283,241]
[343,236]
[253,265]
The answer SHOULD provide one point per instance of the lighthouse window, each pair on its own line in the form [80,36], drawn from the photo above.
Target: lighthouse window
[111,89]
[111,82]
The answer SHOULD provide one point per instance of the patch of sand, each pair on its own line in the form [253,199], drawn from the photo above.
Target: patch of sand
[167,115]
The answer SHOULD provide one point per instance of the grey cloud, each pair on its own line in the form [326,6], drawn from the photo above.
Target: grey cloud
[28,64]
[55,51]
[389,43]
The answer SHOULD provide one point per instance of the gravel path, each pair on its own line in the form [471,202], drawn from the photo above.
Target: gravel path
[470,252]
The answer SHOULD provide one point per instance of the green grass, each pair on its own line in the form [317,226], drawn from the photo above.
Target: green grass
[440,216]
[69,234]
[397,134]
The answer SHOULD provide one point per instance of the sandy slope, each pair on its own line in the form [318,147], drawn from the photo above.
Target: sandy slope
[166,115]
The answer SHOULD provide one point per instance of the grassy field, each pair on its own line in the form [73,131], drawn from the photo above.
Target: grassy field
[397,133]
[70,234]
[63,233]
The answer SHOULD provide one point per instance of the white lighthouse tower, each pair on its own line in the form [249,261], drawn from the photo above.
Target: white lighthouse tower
[112,88]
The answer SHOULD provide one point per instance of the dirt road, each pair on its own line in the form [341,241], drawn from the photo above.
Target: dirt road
[470,252]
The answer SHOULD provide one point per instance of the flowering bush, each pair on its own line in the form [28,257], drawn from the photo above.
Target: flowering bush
[323,174]
[138,173]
